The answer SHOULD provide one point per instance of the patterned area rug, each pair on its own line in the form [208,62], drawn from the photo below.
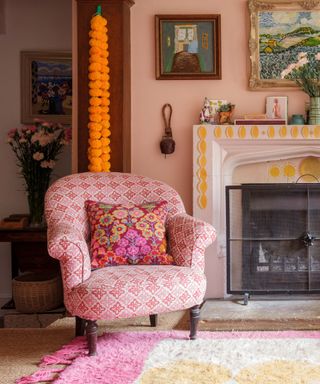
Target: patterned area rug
[170,358]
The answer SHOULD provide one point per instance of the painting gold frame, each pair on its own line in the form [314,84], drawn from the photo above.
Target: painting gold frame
[46,86]
[256,10]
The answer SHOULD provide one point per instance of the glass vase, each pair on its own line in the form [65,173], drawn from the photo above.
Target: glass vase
[314,111]
[36,209]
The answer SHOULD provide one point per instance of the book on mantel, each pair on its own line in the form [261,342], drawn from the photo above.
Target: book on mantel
[260,122]
[16,221]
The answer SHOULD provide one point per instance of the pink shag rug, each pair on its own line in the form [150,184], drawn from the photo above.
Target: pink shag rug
[170,357]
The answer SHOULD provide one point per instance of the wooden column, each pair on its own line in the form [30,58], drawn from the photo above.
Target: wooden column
[117,12]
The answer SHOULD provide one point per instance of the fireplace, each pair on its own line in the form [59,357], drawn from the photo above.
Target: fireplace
[273,238]
[243,156]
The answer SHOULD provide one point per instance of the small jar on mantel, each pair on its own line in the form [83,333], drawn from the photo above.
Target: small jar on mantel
[297,119]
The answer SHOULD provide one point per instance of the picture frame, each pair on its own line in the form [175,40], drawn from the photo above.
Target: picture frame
[46,86]
[277,36]
[188,47]
[277,107]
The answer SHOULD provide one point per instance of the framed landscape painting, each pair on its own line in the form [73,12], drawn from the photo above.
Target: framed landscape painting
[46,86]
[188,47]
[280,31]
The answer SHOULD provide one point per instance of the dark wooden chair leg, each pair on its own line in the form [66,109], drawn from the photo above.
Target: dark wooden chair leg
[194,319]
[92,336]
[153,320]
[80,326]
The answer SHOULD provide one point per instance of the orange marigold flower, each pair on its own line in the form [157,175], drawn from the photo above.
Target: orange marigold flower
[95,101]
[106,167]
[94,67]
[105,132]
[94,168]
[105,101]
[96,160]
[105,124]
[105,157]
[95,92]
[105,142]
[95,143]
[94,134]
[97,152]
[105,149]
[94,43]
[94,117]
[95,126]
[94,75]
[95,110]
[95,84]
[95,51]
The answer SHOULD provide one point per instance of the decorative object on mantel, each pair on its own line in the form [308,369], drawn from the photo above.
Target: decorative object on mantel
[224,113]
[167,144]
[99,117]
[37,148]
[277,107]
[297,120]
[208,114]
[306,73]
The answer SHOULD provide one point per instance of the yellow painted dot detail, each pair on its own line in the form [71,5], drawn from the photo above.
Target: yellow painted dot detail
[305,131]
[202,161]
[229,132]
[187,372]
[289,170]
[242,132]
[202,201]
[279,372]
[202,146]
[283,131]
[202,132]
[274,171]
[309,169]
[255,132]
[271,132]
[217,132]
[294,132]
[317,132]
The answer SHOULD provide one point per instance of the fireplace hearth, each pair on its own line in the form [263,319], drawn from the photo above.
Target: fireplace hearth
[273,238]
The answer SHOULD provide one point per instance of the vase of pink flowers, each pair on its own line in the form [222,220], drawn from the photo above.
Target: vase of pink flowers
[306,74]
[37,147]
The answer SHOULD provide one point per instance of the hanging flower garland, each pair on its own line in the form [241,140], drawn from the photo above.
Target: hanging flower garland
[99,100]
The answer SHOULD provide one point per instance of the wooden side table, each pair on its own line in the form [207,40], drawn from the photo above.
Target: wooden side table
[28,252]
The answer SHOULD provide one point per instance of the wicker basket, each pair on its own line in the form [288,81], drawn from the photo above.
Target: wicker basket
[37,292]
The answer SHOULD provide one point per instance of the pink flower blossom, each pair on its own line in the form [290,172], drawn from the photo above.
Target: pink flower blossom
[38,156]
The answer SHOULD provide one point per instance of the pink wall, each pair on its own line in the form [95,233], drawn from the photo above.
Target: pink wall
[186,96]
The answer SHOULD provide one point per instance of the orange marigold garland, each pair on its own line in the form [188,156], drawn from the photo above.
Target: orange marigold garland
[99,100]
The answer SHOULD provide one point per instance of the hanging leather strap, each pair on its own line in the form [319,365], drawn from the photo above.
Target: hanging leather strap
[167,121]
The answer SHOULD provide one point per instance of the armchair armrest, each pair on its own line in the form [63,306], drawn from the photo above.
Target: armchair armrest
[69,246]
[188,239]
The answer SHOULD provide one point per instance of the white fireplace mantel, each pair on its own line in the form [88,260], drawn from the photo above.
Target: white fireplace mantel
[217,151]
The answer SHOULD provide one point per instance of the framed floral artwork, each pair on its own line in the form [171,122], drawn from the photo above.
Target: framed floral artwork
[281,31]
[46,86]
[188,47]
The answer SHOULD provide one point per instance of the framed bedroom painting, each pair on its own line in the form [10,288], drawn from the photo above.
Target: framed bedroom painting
[188,47]
[46,86]
[280,32]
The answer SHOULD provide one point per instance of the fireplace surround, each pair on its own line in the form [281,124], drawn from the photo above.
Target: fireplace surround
[233,155]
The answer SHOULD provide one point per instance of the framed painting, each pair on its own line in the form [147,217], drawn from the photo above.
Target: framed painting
[46,86]
[280,31]
[188,47]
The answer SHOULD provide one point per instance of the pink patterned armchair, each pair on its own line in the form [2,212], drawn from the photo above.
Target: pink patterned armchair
[128,290]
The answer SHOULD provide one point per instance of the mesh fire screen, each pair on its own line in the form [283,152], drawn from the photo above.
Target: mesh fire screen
[273,238]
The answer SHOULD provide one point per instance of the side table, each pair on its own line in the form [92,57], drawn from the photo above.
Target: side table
[28,252]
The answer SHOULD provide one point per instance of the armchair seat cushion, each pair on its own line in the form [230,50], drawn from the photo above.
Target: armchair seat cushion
[129,291]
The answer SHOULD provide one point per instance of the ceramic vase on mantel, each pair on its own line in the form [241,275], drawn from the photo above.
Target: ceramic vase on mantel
[314,112]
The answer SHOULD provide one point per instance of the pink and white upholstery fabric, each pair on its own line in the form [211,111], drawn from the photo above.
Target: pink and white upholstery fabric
[124,291]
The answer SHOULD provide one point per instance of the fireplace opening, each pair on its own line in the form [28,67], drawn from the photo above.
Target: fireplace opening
[273,238]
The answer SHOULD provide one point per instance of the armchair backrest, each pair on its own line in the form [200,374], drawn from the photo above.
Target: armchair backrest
[64,202]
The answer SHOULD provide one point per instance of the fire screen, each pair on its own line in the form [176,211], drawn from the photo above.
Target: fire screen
[273,238]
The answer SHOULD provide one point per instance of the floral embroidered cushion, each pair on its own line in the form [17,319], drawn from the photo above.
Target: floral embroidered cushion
[127,233]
